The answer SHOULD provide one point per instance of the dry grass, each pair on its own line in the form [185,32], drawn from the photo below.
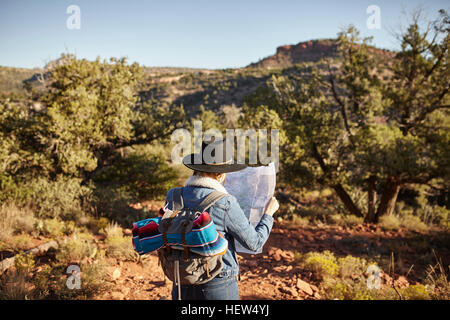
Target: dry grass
[15,286]
[437,279]
[75,249]
[15,220]
[118,246]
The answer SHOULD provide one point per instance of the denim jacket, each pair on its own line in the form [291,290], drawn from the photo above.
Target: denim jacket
[228,218]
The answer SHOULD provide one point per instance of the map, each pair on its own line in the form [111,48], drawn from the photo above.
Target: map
[253,187]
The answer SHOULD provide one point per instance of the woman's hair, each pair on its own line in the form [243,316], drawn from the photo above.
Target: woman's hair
[206,174]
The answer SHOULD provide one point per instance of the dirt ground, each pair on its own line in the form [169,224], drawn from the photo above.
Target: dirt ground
[274,273]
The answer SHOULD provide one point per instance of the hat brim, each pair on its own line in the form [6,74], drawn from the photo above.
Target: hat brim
[188,161]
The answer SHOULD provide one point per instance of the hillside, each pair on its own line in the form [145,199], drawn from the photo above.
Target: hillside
[308,51]
[11,79]
[192,87]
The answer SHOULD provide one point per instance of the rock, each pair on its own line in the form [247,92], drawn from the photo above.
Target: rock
[401,282]
[289,291]
[287,255]
[116,274]
[314,288]
[116,295]
[387,278]
[252,263]
[317,295]
[125,290]
[304,286]
[276,255]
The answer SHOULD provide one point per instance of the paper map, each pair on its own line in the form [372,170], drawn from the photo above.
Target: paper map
[253,187]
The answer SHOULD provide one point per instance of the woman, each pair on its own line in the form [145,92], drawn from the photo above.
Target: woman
[229,219]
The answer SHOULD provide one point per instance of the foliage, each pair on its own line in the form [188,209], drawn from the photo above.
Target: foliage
[90,111]
[322,265]
[24,262]
[367,121]
[114,204]
[415,292]
[118,246]
[15,220]
[142,176]
[346,220]
[53,228]
[97,224]
[413,223]
[50,282]
[390,222]
[21,241]
[74,249]
[14,287]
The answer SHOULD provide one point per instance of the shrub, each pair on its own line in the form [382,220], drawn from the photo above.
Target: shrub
[346,220]
[141,175]
[50,283]
[322,265]
[350,266]
[300,221]
[389,222]
[51,227]
[413,223]
[75,249]
[42,281]
[24,262]
[63,197]
[14,219]
[342,289]
[114,204]
[118,246]
[14,286]
[437,280]
[352,220]
[415,292]
[113,230]
[93,281]
[22,241]
[98,224]
[442,216]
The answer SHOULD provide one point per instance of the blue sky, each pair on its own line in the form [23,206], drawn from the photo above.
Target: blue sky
[185,33]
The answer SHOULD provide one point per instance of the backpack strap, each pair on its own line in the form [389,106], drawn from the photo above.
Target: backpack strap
[177,199]
[166,220]
[210,200]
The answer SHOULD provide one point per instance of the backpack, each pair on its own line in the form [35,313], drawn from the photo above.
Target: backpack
[190,249]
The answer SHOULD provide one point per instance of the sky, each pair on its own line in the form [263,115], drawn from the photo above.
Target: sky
[187,33]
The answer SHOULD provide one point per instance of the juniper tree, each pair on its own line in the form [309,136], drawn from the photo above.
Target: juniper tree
[372,119]
[91,110]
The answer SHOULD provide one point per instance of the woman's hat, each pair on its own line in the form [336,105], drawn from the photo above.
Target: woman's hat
[215,157]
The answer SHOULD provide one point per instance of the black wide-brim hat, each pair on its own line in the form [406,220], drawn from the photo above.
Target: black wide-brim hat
[215,157]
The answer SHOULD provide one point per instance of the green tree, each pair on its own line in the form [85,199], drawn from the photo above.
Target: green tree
[371,119]
[93,110]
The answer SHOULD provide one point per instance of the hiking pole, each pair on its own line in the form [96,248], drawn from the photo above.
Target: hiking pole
[177,277]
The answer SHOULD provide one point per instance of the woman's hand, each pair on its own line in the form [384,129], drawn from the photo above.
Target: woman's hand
[272,206]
